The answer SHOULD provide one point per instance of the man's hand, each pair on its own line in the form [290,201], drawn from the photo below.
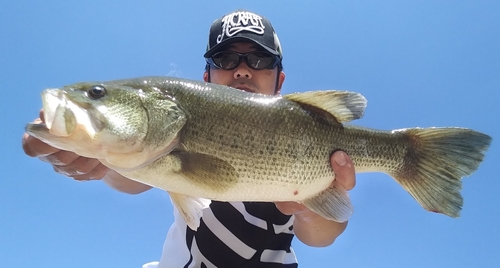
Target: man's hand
[311,228]
[66,163]
[78,167]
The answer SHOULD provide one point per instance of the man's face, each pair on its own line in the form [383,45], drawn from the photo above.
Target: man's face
[246,78]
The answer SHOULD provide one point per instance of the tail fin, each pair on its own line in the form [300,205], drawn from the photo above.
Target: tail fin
[436,162]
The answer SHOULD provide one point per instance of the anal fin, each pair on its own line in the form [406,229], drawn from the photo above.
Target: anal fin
[332,204]
[191,208]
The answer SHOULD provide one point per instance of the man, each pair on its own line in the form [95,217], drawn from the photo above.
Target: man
[243,52]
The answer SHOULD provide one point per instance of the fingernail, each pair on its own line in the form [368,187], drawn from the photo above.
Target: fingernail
[339,158]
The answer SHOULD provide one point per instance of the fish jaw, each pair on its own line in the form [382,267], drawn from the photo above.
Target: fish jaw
[76,142]
[67,126]
[58,119]
[63,116]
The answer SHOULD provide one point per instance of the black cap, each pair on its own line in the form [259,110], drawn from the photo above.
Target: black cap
[243,26]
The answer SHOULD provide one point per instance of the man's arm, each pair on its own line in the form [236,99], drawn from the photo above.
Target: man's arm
[309,227]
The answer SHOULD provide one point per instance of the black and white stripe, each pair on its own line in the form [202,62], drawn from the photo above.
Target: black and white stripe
[250,234]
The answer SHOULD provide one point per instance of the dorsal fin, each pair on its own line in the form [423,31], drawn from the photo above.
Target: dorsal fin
[345,106]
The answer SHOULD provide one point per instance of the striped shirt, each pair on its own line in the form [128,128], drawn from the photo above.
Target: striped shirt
[234,234]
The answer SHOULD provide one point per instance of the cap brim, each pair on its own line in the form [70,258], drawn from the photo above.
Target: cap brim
[231,40]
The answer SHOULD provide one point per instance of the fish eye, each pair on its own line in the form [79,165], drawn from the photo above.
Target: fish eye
[96,92]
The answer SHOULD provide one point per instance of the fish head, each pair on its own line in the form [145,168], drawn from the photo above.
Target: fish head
[125,126]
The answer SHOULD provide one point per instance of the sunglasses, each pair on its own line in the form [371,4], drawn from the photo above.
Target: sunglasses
[229,60]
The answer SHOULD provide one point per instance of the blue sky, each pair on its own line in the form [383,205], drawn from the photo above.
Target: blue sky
[419,63]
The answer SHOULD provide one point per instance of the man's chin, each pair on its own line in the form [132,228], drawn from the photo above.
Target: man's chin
[244,88]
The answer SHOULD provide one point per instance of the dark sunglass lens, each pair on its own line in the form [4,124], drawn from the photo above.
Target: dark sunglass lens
[260,60]
[226,60]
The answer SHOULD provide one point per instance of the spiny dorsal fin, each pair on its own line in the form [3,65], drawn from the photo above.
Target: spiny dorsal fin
[345,106]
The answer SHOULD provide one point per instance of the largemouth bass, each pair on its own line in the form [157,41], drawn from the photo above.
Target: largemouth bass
[202,142]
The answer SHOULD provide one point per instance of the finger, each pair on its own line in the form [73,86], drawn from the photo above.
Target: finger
[344,169]
[42,118]
[289,208]
[83,169]
[96,173]
[60,158]
[283,208]
[35,148]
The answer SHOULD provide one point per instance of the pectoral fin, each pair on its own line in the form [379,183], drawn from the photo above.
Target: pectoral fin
[191,208]
[332,204]
[207,171]
[344,106]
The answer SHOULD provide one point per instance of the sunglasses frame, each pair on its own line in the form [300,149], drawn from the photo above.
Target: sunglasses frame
[244,57]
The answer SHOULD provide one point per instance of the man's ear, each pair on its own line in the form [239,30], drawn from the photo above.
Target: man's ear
[279,84]
[206,77]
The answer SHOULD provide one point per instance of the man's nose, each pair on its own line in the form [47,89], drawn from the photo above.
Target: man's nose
[242,71]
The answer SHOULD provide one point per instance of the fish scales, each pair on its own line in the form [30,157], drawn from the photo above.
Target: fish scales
[298,143]
[237,137]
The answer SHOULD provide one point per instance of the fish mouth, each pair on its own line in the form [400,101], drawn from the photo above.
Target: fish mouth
[63,116]
[42,132]
[39,131]
[34,129]
[58,113]
[66,125]
[50,101]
